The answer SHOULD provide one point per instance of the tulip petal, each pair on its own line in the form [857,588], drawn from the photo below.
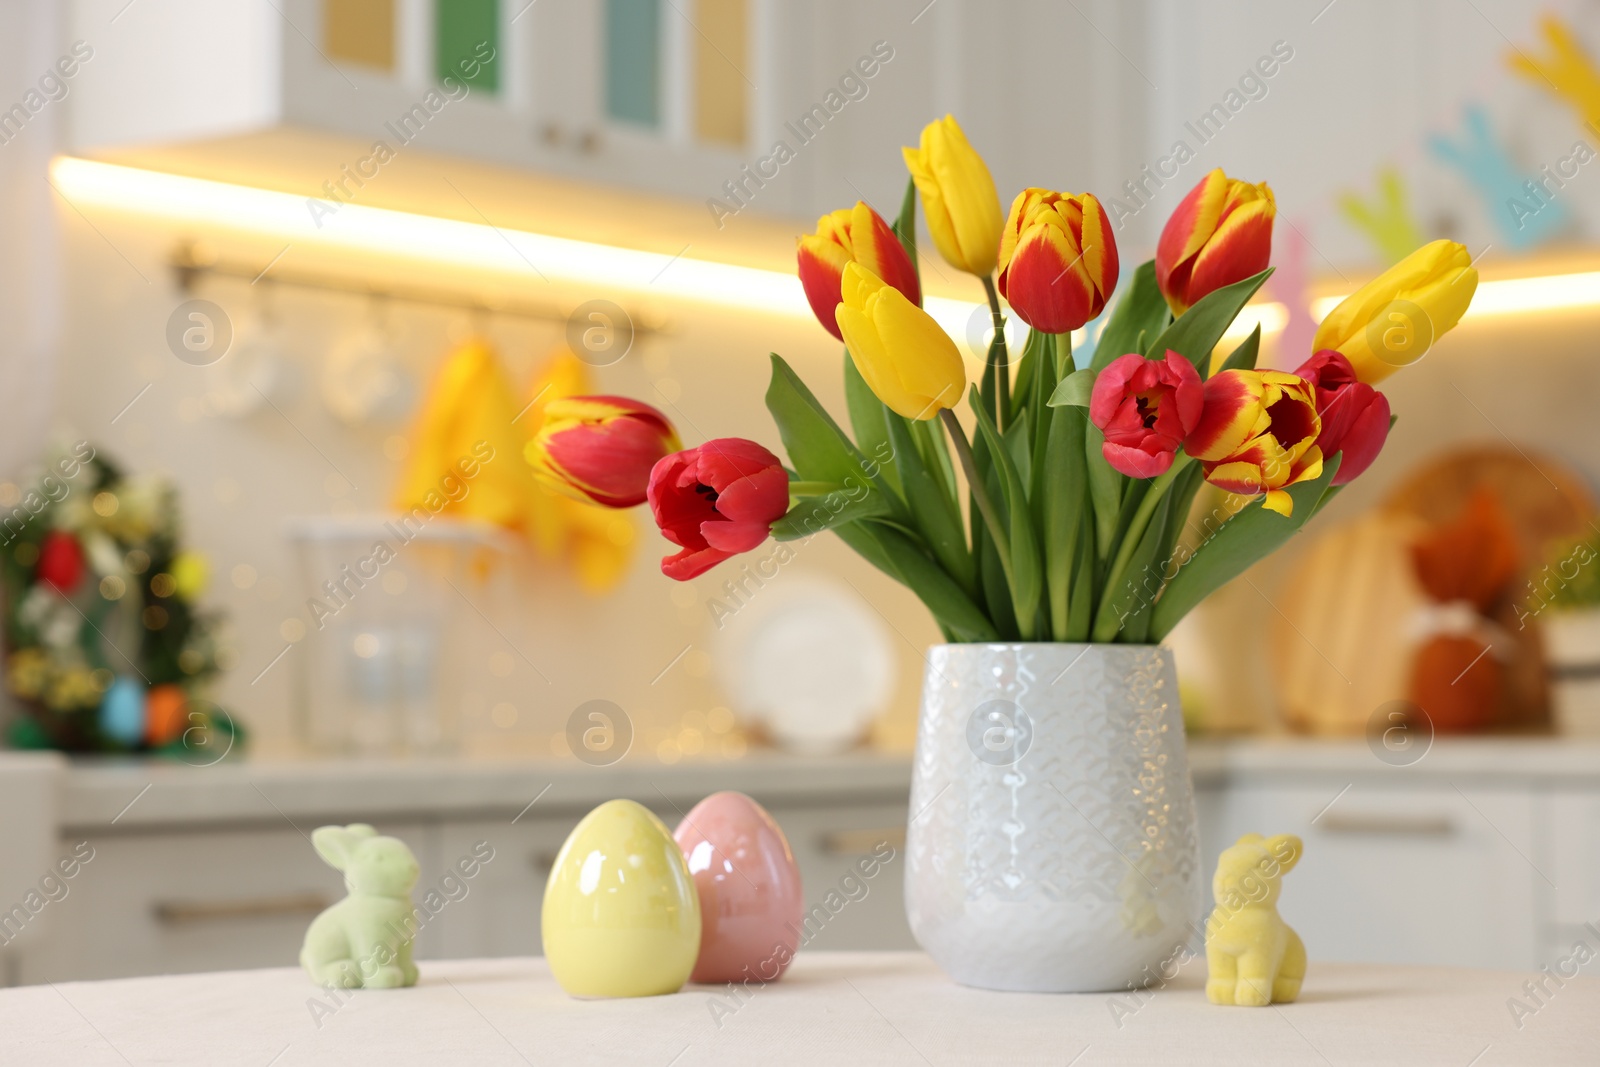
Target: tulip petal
[1233,414]
[875,247]
[821,267]
[1240,248]
[1241,478]
[692,562]
[1136,462]
[1185,233]
[1363,439]
[1279,501]
[1046,282]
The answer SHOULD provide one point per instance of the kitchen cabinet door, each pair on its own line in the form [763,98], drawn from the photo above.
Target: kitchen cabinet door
[1433,875]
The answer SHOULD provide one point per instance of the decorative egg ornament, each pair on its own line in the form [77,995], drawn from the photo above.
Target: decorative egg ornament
[122,712]
[621,915]
[749,886]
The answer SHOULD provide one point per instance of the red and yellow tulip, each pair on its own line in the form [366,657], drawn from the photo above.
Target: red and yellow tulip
[905,357]
[1221,233]
[852,235]
[958,196]
[1258,433]
[1391,321]
[1058,259]
[600,448]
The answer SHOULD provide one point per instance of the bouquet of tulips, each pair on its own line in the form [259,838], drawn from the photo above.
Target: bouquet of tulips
[1078,477]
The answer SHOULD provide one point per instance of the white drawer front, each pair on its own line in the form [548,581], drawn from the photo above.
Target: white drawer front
[1423,876]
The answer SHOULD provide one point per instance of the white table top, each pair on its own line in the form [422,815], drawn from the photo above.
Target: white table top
[869,1008]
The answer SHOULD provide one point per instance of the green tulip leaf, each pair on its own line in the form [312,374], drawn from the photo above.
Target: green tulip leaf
[870,418]
[1026,572]
[1075,390]
[934,512]
[892,552]
[1244,357]
[1060,499]
[1142,310]
[905,227]
[1105,490]
[814,514]
[819,450]
[1248,536]
[1196,332]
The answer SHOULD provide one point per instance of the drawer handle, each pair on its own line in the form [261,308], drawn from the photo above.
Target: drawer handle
[862,842]
[1392,825]
[184,913]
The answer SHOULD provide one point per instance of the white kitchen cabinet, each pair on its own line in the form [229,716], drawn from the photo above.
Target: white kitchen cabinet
[756,105]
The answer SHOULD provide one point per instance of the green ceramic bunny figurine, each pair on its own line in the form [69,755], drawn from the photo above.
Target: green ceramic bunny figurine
[364,941]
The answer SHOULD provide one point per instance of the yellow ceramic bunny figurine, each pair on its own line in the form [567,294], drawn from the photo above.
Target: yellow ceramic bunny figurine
[1253,957]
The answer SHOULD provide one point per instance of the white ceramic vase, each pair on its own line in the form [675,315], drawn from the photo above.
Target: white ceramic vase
[1051,842]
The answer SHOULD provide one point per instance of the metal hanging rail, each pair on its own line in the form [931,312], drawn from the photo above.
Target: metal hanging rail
[190,264]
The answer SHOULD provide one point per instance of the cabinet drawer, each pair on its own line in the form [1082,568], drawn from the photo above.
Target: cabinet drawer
[1421,875]
[179,902]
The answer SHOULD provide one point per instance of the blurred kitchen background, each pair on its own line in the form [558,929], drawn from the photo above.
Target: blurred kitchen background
[400,217]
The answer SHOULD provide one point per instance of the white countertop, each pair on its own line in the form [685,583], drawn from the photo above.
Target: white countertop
[135,794]
[881,1009]
[151,793]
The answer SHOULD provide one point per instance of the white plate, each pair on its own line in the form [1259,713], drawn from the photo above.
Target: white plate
[806,657]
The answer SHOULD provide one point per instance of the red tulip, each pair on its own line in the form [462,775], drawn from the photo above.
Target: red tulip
[1146,407]
[1355,416]
[1058,259]
[1221,233]
[60,561]
[852,235]
[716,501]
[600,448]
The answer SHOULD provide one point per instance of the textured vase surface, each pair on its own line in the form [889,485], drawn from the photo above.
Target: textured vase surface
[1051,842]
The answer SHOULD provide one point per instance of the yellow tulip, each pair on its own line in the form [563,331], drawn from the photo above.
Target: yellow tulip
[907,360]
[958,196]
[1390,322]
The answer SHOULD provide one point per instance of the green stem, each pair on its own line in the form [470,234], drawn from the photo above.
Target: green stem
[800,488]
[980,494]
[1000,359]
[1064,364]
[1105,622]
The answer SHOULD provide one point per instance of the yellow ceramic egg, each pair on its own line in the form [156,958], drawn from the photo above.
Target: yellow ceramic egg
[621,913]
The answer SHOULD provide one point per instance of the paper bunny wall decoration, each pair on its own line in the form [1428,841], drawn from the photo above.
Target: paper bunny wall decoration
[364,941]
[1291,284]
[1387,220]
[1524,209]
[1253,956]
[1566,71]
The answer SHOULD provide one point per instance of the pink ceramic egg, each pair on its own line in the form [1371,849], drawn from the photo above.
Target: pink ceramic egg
[749,886]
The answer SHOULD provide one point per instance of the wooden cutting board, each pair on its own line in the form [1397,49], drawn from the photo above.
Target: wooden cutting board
[1345,651]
